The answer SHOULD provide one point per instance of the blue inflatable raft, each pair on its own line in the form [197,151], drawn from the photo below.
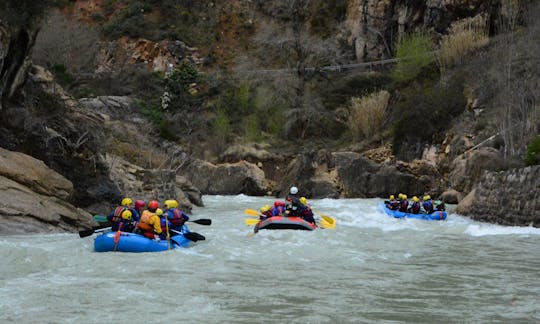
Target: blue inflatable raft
[131,242]
[436,215]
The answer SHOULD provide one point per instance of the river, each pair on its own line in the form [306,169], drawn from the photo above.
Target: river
[371,268]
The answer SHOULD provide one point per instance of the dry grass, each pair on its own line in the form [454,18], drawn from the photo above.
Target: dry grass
[464,37]
[367,114]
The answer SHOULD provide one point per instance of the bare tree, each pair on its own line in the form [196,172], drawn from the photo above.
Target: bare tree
[519,98]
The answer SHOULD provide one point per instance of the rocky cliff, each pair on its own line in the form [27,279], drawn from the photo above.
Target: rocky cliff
[39,121]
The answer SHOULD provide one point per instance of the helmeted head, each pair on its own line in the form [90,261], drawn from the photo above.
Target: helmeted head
[171,203]
[293,190]
[139,204]
[126,202]
[400,195]
[126,214]
[303,201]
[153,205]
[159,211]
[278,203]
[415,199]
[392,197]
[427,197]
[265,208]
[404,197]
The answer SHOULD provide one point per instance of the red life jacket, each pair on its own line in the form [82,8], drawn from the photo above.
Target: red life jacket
[177,219]
[118,214]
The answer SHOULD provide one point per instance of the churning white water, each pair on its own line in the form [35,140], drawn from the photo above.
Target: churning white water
[371,268]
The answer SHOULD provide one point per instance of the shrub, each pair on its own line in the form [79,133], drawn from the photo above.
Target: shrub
[424,115]
[532,156]
[414,53]
[222,128]
[464,37]
[368,114]
[61,74]
[252,129]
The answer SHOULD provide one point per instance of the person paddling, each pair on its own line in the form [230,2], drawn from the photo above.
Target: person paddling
[150,224]
[174,215]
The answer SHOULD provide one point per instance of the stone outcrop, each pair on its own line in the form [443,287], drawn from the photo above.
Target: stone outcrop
[227,178]
[372,26]
[467,168]
[35,198]
[139,183]
[506,197]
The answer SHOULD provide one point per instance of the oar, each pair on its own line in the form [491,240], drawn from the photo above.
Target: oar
[192,236]
[326,221]
[251,221]
[91,231]
[202,221]
[252,212]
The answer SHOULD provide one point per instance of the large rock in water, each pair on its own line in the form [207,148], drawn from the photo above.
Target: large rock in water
[506,197]
[35,198]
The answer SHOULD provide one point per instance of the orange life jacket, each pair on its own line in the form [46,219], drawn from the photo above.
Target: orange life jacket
[150,222]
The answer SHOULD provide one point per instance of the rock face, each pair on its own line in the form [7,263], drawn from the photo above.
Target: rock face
[373,25]
[140,183]
[34,197]
[227,178]
[507,197]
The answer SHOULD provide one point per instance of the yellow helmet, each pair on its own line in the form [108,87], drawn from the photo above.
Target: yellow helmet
[127,202]
[415,199]
[171,203]
[159,211]
[126,214]
[404,197]
[392,197]
[427,197]
[265,208]
[303,201]
[400,196]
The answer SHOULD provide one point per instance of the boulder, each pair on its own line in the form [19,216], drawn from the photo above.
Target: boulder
[227,178]
[34,174]
[467,168]
[35,198]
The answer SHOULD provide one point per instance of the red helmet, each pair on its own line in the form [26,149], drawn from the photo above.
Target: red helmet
[153,205]
[279,203]
[139,204]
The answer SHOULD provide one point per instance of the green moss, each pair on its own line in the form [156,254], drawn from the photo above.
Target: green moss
[532,157]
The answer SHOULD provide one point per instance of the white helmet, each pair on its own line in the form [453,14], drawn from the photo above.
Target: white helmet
[293,190]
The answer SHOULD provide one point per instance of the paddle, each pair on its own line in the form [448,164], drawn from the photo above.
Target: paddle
[192,236]
[252,212]
[202,221]
[251,221]
[327,222]
[91,231]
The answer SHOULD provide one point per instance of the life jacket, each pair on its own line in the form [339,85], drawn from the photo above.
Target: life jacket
[393,205]
[278,210]
[150,222]
[415,208]
[403,205]
[428,206]
[117,215]
[176,218]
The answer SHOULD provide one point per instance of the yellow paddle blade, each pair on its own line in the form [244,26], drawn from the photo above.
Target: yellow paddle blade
[252,212]
[327,222]
[327,225]
[251,221]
